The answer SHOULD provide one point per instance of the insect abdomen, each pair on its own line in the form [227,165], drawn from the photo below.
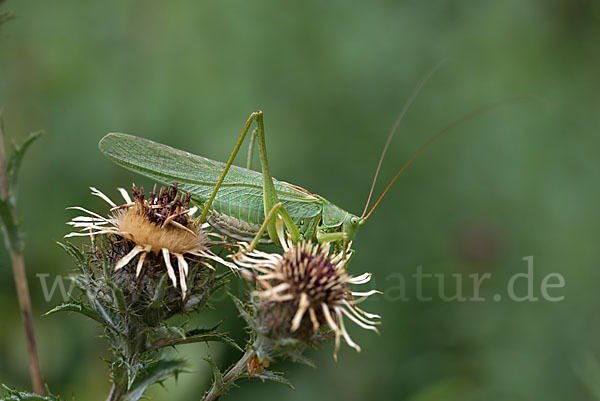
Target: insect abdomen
[244,231]
[236,228]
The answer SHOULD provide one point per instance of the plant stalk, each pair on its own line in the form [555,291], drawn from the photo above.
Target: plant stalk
[116,392]
[231,376]
[18,264]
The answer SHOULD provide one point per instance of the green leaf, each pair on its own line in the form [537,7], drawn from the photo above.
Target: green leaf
[224,278]
[159,294]
[15,160]
[79,308]
[73,251]
[274,377]
[297,356]
[97,306]
[176,331]
[154,373]
[241,307]
[26,396]
[132,373]
[218,382]
[203,331]
[165,342]
[118,297]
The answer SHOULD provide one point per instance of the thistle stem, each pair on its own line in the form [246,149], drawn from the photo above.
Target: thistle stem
[116,392]
[230,377]
[18,264]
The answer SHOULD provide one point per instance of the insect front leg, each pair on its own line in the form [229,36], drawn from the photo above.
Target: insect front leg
[277,211]
[270,217]
[340,239]
[234,153]
[324,237]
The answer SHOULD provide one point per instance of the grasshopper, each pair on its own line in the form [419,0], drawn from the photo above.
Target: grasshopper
[240,202]
[243,203]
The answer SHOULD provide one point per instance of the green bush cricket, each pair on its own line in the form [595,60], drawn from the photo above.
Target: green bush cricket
[232,197]
[243,203]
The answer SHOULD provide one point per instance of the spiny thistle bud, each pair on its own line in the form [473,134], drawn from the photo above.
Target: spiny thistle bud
[161,226]
[303,289]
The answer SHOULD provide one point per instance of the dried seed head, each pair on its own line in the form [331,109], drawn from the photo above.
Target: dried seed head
[161,222]
[311,287]
[163,207]
[309,271]
[161,225]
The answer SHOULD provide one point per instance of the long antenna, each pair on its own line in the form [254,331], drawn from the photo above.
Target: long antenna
[411,98]
[438,136]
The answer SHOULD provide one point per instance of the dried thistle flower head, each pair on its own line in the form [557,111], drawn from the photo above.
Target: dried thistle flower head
[161,224]
[313,283]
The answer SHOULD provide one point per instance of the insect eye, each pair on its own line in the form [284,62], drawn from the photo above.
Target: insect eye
[354,220]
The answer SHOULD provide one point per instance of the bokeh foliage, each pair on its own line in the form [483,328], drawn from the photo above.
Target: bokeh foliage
[331,77]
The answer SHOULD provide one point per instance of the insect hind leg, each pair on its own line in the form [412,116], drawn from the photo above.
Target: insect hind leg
[269,193]
[270,198]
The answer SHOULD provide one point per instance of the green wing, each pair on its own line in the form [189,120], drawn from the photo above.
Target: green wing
[240,195]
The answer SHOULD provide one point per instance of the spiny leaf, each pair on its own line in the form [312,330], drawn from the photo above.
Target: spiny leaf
[79,308]
[243,311]
[77,255]
[107,264]
[223,279]
[191,277]
[298,357]
[165,342]
[79,281]
[159,293]
[132,373]
[15,160]
[218,383]
[176,330]
[274,377]
[118,296]
[107,316]
[153,373]
[72,250]
[204,331]
[26,396]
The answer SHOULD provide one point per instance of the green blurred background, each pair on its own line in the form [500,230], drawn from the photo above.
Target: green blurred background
[331,78]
